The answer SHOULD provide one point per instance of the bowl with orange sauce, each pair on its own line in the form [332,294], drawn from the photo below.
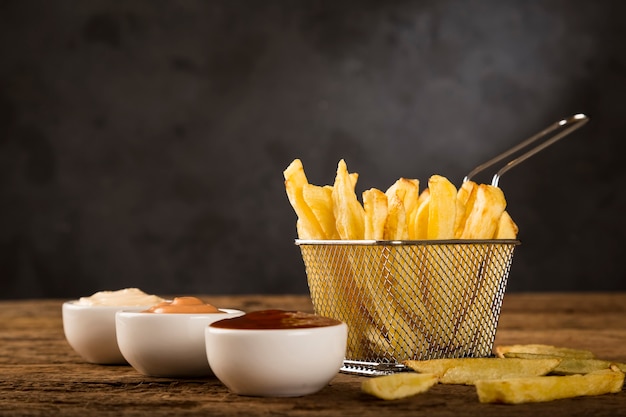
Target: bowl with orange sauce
[167,340]
[276,353]
[89,322]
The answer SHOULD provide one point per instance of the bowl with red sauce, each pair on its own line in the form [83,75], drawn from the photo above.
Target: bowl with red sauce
[276,353]
[167,340]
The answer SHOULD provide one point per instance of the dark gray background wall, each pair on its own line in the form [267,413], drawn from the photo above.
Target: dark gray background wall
[142,143]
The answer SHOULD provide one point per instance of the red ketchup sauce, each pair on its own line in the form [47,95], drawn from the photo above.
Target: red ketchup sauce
[274,320]
[182,305]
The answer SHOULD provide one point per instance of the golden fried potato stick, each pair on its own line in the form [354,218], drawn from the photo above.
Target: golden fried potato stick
[320,200]
[549,388]
[408,191]
[308,227]
[418,224]
[396,225]
[462,206]
[485,211]
[543,349]
[507,229]
[571,366]
[397,386]
[349,213]
[466,371]
[442,208]
[375,209]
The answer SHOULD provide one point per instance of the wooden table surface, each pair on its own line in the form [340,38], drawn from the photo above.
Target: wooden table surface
[41,375]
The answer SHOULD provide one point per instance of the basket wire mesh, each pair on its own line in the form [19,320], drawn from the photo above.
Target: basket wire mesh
[409,299]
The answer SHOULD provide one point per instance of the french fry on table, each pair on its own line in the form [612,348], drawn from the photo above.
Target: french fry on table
[571,366]
[544,349]
[549,388]
[397,386]
[466,371]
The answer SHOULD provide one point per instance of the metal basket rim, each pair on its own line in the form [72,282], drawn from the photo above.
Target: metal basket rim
[429,242]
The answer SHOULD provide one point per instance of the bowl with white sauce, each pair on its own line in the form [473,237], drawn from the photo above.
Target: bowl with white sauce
[89,322]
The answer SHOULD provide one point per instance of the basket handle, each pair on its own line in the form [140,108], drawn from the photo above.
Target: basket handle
[567,126]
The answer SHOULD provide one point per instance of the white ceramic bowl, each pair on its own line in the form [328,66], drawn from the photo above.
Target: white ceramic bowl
[90,331]
[167,344]
[286,362]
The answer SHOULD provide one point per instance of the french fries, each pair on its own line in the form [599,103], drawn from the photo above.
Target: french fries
[549,388]
[397,386]
[375,205]
[349,214]
[571,366]
[397,303]
[320,200]
[439,211]
[573,361]
[484,208]
[466,371]
[542,349]
[295,179]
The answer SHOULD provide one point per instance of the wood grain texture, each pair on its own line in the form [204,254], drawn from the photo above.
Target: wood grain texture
[42,376]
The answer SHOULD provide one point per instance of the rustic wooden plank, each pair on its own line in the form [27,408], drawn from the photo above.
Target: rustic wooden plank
[42,376]
[125,393]
[580,303]
[558,320]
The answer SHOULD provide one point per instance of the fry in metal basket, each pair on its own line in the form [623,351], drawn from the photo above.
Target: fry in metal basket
[548,388]
[486,205]
[355,292]
[396,225]
[411,330]
[462,207]
[408,191]
[320,200]
[372,278]
[391,335]
[439,276]
[418,223]
[375,213]
[348,210]
[507,229]
[442,208]
[295,179]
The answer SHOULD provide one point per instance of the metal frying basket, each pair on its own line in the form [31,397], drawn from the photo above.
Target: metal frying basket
[417,299]
[410,299]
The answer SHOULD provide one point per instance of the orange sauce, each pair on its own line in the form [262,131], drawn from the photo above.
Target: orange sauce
[275,319]
[183,305]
